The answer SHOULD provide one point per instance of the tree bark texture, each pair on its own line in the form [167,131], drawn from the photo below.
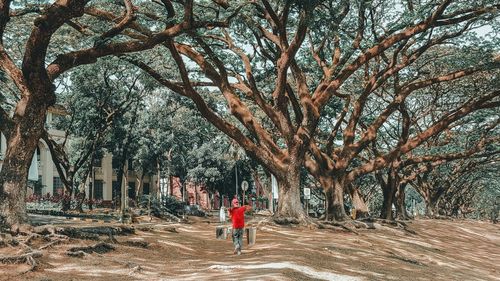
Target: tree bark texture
[389,188]
[289,205]
[400,197]
[334,194]
[29,121]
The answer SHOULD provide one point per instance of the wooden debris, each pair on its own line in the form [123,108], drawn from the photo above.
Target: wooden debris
[77,254]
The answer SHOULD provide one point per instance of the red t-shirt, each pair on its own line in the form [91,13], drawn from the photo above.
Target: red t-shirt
[238,216]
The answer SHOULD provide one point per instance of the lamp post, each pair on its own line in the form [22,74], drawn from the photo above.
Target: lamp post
[236,176]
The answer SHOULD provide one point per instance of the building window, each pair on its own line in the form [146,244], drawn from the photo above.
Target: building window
[58,186]
[98,162]
[145,188]
[98,189]
[38,158]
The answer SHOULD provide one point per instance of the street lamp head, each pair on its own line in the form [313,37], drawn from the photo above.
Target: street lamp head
[244,185]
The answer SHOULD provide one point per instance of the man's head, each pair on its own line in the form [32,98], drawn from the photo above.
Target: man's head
[235,202]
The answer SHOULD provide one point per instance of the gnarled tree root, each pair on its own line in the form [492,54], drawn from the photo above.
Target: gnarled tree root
[28,258]
[7,240]
[49,233]
[286,220]
[94,232]
[24,258]
[347,225]
[137,244]
[299,221]
[52,243]
[99,248]
[392,223]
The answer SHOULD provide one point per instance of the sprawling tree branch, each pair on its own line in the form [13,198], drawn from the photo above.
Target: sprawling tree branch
[36,47]
[69,60]
[440,125]
[324,92]
[121,25]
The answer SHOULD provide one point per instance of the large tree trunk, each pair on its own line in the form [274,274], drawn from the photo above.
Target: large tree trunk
[22,141]
[359,203]
[289,205]
[334,196]
[328,189]
[13,181]
[388,194]
[389,188]
[337,208]
[401,212]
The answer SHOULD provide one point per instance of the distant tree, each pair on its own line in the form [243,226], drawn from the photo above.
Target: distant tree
[96,96]
[175,141]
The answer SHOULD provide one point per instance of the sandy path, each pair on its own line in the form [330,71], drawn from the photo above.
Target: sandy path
[441,250]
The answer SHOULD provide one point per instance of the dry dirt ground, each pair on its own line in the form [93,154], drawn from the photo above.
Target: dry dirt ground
[439,250]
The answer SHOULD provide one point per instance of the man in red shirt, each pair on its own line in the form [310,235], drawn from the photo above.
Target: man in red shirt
[238,219]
